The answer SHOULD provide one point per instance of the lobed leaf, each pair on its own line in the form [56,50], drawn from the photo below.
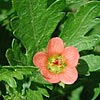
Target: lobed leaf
[75,28]
[8,74]
[36,22]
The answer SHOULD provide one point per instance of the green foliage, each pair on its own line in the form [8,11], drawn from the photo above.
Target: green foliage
[33,95]
[33,23]
[25,75]
[15,56]
[8,74]
[96,92]
[75,95]
[95,65]
[6,13]
[76,27]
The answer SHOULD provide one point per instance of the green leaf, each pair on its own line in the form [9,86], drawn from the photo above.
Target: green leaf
[36,22]
[43,91]
[6,76]
[33,95]
[38,78]
[9,73]
[10,57]
[96,92]
[75,95]
[62,85]
[91,85]
[92,61]
[87,43]
[83,68]
[14,96]
[74,4]
[15,56]
[75,28]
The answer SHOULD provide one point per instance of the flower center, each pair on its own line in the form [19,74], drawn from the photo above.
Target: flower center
[56,64]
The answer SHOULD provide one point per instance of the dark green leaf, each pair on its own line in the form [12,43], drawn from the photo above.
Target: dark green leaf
[83,68]
[15,55]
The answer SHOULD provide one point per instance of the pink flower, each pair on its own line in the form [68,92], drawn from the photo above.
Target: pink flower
[58,64]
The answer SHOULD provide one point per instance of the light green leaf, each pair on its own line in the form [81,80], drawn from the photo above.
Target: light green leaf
[62,84]
[75,28]
[10,57]
[96,92]
[9,73]
[93,62]
[5,76]
[17,74]
[33,95]
[16,96]
[87,43]
[74,1]
[36,22]
[75,95]
[43,91]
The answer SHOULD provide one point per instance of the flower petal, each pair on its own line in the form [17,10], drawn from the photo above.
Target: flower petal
[71,56]
[55,46]
[54,79]
[48,76]
[40,59]
[69,76]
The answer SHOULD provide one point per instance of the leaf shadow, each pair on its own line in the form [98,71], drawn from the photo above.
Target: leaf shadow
[90,83]
[83,68]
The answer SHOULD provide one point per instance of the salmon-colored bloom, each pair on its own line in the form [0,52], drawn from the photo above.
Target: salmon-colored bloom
[58,64]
